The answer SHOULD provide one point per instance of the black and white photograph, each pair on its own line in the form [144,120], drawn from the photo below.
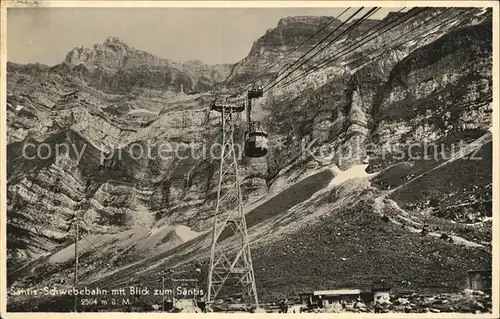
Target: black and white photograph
[250,157]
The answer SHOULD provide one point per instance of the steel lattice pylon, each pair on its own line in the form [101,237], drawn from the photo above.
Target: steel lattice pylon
[227,265]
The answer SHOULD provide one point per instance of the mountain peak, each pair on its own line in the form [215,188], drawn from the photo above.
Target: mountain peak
[111,40]
[194,62]
[315,20]
[111,53]
[291,31]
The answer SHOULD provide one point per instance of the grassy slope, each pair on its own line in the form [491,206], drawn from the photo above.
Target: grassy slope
[452,192]
[351,247]
[285,200]
[457,179]
[375,251]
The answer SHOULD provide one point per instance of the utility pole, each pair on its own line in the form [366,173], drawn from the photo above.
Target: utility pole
[88,190]
[162,292]
[77,237]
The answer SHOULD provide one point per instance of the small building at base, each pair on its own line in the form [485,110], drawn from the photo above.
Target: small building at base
[323,298]
[480,279]
[381,293]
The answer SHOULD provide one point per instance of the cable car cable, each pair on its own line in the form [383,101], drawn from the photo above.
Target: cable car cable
[325,62]
[409,40]
[357,45]
[90,241]
[337,56]
[364,35]
[91,244]
[314,47]
[355,24]
[321,29]
[295,49]
[300,45]
[317,32]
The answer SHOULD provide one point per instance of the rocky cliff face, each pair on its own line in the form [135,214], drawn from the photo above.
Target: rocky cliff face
[290,33]
[432,85]
[161,187]
[346,111]
[116,66]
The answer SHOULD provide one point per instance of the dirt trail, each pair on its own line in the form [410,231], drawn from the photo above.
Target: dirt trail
[382,201]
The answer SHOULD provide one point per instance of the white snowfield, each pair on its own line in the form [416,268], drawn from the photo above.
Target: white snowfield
[185,233]
[356,171]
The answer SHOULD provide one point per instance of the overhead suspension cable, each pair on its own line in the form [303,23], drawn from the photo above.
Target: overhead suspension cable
[355,24]
[411,39]
[91,244]
[300,45]
[338,54]
[327,61]
[314,47]
[296,48]
[95,247]
[304,42]
[321,29]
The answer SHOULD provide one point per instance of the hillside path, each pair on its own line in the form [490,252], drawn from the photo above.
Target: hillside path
[383,200]
[415,227]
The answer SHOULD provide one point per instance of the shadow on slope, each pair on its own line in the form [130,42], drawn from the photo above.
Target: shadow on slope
[403,171]
[464,180]
[285,200]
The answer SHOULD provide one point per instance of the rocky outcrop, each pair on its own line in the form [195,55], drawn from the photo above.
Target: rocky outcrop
[116,66]
[431,105]
[290,33]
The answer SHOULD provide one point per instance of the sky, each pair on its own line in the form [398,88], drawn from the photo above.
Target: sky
[212,35]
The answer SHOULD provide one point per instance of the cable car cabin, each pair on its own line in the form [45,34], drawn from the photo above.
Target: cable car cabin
[255,92]
[256,141]
[228,105]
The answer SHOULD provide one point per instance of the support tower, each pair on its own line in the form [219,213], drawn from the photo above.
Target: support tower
[230,266]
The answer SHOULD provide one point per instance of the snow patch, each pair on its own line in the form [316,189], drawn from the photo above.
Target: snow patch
[356,171]
[158,229]
[185,233]
[142,112]
[482,12]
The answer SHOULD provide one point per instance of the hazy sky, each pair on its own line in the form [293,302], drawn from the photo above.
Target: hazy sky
[213,35]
